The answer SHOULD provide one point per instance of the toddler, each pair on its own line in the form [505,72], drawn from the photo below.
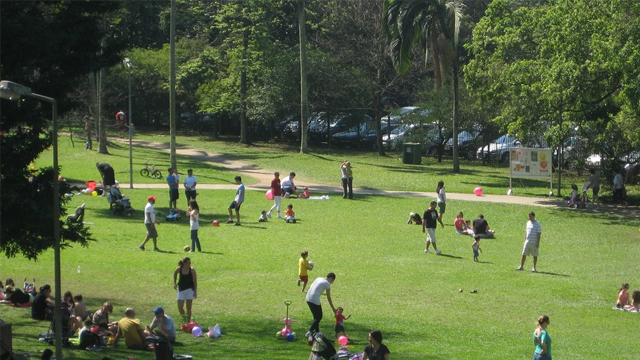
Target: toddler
[305,194]
[263,216]
[303,267]
[340,318]
[476,247]
[289,215]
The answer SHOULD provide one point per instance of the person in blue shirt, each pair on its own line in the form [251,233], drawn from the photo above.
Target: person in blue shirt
[173,180]
[542,340]
[237,202]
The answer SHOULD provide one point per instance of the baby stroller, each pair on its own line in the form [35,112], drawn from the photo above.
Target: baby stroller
[322,348]
[118,204]
[65,315]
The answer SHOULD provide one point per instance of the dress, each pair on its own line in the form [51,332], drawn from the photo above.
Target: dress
[108,175]
[376,354]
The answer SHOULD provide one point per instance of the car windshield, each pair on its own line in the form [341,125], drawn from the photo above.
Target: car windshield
[401,129]
[504,139]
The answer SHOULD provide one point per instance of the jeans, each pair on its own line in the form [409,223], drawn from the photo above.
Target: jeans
[195,241]
[347,183]
[541,357]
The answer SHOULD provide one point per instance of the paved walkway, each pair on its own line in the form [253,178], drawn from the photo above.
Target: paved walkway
[264,177]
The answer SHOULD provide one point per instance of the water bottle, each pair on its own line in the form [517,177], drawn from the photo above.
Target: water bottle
[79,270]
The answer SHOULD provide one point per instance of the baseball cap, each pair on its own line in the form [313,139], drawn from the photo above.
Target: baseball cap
[158,310]
[151,198]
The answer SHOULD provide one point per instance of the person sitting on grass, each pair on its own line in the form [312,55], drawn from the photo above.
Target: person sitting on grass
[102,317]
[164,323]
[17,297]
[80,308]
[263,216]
[462,227]
[305,194]
[481,227]
[623,296]
[635,304]
[289,215]
[88,335]
[42,308]
[129,328]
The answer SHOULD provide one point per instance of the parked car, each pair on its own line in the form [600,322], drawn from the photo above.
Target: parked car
[338,122]
[426,134]
[369,140]
[361,137]
[467,145]
[499,149]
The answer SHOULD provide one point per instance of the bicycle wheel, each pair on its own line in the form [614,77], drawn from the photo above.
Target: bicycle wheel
[157,174]
[144,172]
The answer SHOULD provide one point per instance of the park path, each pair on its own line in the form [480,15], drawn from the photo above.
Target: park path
[264,177]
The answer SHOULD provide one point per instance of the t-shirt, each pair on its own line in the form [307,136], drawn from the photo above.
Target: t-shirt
[130,329]
[240,194]
[286,182]
[190,182]
[39,306]
[543,337]
[442,196]
[19,297]
[149,214]
[480,226]
[276,190]
[289,212]
[173,180]
[316,289]
[476,245]
[430,217]
[533,230]
[100,317]
[194,224]
[302,267]
[339,318]
[378,354]
[168,325]
[459,224]
[617,181]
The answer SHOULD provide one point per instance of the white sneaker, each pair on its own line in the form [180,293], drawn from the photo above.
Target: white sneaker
[427,251]
[269,215]
[280,217]
[438,252]
[534,270]
[519,268]
[308,334]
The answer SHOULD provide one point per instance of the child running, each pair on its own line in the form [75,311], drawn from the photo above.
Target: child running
[340,318]
[476,247]
[303,266]
[289,215]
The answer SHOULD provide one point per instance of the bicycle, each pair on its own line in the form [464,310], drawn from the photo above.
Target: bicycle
[151,171]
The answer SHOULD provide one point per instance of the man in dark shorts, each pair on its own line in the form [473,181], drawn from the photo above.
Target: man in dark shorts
[173,181]
[108,176]
[237,202]
[150,222]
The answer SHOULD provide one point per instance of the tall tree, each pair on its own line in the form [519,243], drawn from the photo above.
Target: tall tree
[304,90]
[433,24]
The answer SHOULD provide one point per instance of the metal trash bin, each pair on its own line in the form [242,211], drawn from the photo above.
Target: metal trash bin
[412,153]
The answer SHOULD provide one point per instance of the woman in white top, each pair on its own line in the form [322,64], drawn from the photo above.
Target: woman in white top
[442,198]
[194,224]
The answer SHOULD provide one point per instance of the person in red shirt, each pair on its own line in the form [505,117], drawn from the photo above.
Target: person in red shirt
[121,122]
[276,191]
[340,318]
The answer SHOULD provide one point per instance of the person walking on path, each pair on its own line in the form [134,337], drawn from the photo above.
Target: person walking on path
[108,177]
[276,191]
[150,222]
[618,188]
[531,241]
[442,198]
[173,180]
[429,226]
[194,224]
[542,340]
[316,289]
[121,122]
[185,281]
[347,180]
[594,184]
[237,202]
[190,183]
[88,126]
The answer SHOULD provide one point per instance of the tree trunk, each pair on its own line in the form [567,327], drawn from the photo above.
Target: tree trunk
[244,122]
[456,162]
[304,96]
[102,139]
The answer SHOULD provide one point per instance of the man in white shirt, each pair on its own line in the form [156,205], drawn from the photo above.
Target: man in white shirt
[313,300]
[288,187]
[190,183]
[531,241]
[150,222]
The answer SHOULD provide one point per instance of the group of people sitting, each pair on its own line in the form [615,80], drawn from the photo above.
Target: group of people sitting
[479,227]
[98,329]
[624,303]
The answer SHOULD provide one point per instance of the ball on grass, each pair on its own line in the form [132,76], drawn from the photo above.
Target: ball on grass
[290,337]
[215,223]
[187,248]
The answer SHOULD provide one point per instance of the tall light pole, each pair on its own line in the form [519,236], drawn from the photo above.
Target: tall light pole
[127,63]
[13,91]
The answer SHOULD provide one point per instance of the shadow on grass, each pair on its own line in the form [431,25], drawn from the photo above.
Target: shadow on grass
[551,273]
[450,256]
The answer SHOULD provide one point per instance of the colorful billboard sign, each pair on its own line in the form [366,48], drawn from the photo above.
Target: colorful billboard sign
[530,163]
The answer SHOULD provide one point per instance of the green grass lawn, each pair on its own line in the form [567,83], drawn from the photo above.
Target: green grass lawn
[383,278]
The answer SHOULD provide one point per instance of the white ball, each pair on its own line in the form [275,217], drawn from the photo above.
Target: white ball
[310,266]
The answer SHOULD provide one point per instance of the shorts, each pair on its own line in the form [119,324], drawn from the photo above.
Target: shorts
[121,127]
[596,190]
[431,235]
[151,231]
[304,278]
[174,194]
[186,294]
[235,205]
[442,207]
[530,249]
[475,253]
[190,194]
[338,328]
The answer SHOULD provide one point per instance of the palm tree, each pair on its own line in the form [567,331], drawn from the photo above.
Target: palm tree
[432,24]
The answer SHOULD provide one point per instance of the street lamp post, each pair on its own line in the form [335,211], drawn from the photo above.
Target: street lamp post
[127,63]
[13,91]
